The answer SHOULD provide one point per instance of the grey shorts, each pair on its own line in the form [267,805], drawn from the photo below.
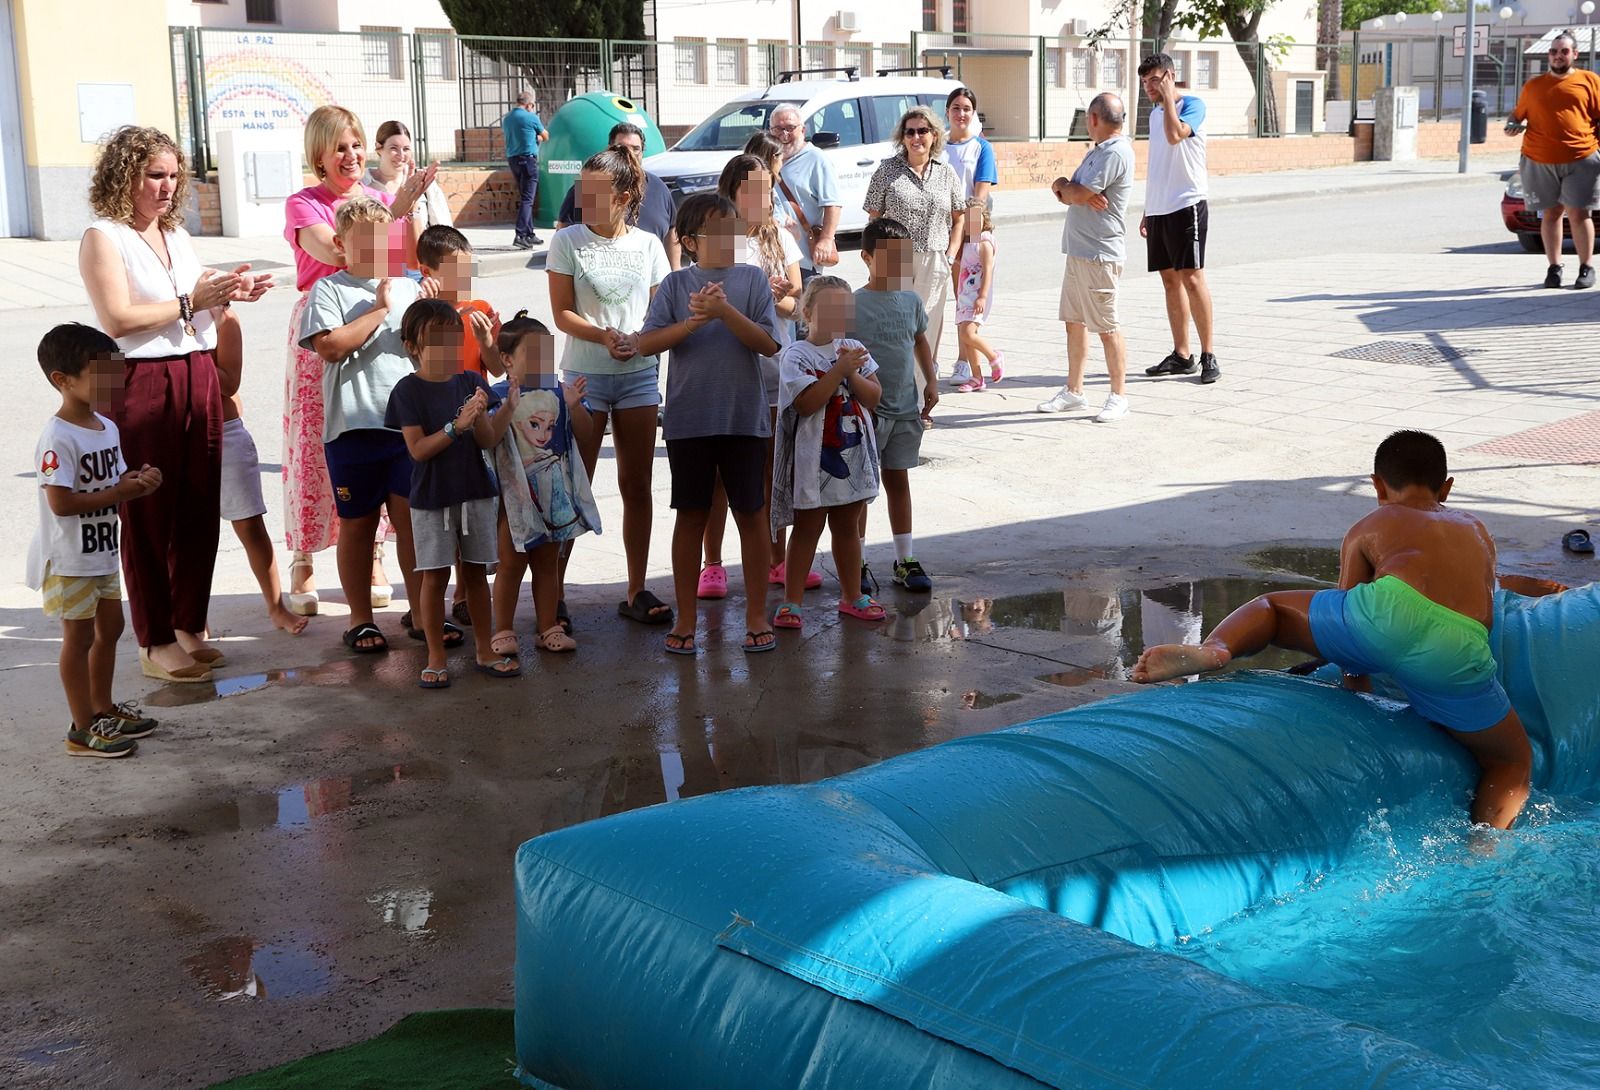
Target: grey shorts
[899,442]
[241,473]
[608,393]
[470,530]
[1575,184]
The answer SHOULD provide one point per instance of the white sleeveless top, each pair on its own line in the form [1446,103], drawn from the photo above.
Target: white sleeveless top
[149,282]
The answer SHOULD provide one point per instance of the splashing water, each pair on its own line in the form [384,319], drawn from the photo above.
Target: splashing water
[1480,950]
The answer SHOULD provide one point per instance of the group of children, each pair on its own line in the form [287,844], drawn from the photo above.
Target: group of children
[478,477]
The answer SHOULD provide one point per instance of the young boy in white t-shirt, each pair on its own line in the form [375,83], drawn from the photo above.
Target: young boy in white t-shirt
[76,553]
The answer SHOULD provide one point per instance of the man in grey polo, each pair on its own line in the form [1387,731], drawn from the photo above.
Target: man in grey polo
[1096,197]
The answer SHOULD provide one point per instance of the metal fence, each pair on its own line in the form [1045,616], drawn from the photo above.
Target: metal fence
[452,91]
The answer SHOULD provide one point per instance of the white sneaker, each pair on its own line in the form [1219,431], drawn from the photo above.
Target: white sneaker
[1116,408]
[962,373]
[1064,401]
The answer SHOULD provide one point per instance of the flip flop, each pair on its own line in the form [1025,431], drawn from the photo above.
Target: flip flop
[685,644]
[864,608]
[504,644]
[492,669]
[353,637]
[433,679]
[1577,542]
[453,636]
[753,645]
[640,609]
[787,616]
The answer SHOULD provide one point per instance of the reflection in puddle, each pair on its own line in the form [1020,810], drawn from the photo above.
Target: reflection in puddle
[1315,562]
[52,1052]
[407,910]
[398,672]
[976,701]
[298,804]
[238,967]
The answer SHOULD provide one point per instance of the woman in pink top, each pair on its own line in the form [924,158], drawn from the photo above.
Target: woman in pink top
[336,150]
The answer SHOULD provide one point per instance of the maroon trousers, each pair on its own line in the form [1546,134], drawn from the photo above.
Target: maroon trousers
[171,418]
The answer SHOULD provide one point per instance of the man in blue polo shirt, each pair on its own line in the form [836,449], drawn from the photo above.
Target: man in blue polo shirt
[1175,215]
[524,133]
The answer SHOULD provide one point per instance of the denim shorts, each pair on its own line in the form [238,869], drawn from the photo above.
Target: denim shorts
[607,393]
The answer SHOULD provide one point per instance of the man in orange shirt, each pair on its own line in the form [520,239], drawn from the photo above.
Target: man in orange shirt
[1559,111]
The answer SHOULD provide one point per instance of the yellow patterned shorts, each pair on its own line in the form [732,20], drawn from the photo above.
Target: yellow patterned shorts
[77,597]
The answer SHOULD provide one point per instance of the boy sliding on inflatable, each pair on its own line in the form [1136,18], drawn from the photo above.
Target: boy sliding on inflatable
[1415,599]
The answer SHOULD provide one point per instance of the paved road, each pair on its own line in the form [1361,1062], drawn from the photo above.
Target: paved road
[311,833]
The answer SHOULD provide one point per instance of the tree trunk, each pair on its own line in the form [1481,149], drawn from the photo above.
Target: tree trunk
[1254,55]
[1330,18]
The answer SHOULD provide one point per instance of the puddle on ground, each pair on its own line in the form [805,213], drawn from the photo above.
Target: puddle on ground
[296,805]
[409,911]
[337,673]
[239,967]
[51,1053]
[1317,562]
[977,701]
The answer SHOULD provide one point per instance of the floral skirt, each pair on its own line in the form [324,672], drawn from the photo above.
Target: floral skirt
[310,522]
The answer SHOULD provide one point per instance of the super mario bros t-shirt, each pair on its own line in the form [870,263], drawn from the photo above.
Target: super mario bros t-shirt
[84,460]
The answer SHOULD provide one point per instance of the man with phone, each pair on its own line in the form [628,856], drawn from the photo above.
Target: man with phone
[1557,113]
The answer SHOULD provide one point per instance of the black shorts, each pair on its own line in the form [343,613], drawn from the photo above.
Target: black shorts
[365,468]
[1177,240]
[695,464]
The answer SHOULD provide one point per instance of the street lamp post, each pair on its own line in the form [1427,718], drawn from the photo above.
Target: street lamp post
[1466,86]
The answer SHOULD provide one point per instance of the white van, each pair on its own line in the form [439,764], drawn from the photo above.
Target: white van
[849,120]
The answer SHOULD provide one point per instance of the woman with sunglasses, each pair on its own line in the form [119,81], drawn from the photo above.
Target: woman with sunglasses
[919,189]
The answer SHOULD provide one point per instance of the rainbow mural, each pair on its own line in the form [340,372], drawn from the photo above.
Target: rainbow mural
[257,89]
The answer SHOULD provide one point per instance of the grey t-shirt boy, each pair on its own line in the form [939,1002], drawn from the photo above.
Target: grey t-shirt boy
[355,391]
[888,322]
[1100,236]
[714,383]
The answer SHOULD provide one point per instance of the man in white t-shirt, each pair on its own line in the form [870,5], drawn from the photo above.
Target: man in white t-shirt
[1176,217]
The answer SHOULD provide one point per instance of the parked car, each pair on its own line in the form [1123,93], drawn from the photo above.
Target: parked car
[1523,222]
[849,120]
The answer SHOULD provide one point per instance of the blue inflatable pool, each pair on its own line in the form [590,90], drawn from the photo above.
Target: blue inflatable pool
[983,913]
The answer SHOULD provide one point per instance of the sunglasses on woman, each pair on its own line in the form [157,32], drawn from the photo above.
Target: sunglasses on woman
[918,132]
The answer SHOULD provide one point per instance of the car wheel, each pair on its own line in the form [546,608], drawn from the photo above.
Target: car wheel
[1532,244]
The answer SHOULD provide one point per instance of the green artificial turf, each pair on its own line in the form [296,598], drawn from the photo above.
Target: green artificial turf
[436,1050]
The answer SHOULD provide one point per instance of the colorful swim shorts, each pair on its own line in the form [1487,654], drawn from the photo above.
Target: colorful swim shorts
[1439,657]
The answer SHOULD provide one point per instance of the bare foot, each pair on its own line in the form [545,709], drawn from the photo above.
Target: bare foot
[1170,660]
[288,622]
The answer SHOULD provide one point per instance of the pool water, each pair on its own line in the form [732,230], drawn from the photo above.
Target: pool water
[1487,957]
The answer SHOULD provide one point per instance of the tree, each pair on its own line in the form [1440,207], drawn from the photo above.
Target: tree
[554,70]
[1208,19]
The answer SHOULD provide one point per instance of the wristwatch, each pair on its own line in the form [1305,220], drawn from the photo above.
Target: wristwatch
[450,430]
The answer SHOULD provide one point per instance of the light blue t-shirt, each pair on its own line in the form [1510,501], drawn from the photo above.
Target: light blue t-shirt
[811,178]
[355,391]
[973,161]
[522,129]
[1101,236]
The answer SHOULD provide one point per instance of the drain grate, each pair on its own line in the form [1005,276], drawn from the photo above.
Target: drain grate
[1414,353]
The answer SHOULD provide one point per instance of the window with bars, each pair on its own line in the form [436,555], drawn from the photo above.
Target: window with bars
[818,55]
[1111,73]
[930,15]
[958,16]
[438,54]
[1052,67]
[261,11]
[769,61]
[380,52]
[1205,70]
[1180,68]
[730,62]
[858,55]
[689,59]
[1082,68]
[893,56]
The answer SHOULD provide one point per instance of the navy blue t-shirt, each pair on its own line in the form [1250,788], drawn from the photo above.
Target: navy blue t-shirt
[656,213]
[458,473]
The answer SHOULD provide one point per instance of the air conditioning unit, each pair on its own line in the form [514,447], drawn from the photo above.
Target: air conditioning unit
[846,21]
[1080,27]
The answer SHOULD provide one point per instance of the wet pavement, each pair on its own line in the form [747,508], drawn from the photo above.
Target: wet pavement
[341,859]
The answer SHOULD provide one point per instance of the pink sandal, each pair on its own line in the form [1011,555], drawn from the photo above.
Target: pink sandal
[864,608]
[971,386]
[776,576]
[787,616]
[713,582]
[996,370]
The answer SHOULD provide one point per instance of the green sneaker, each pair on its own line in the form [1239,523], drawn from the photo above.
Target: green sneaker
[134,723]
[909,574]
[102,739]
